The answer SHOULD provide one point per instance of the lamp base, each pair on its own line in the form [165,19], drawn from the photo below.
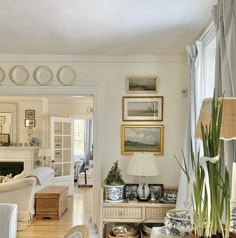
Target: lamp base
[143,192]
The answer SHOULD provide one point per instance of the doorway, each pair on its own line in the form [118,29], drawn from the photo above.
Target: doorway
[95,92]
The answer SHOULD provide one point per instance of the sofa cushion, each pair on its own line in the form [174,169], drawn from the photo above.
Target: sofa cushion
[19,176]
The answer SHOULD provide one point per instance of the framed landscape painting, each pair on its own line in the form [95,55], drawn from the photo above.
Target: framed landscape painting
[142,84]
[142,108]
[142,138]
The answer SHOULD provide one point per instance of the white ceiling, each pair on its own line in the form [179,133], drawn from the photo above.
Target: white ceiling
[101,26]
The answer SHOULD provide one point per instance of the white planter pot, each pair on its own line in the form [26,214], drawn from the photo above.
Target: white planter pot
[114,193]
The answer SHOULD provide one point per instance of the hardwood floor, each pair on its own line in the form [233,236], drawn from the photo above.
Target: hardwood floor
[79,211]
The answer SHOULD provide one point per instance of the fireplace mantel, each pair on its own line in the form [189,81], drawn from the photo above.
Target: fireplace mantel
[17,153]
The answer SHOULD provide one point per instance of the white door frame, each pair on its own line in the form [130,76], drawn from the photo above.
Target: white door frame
[72,91]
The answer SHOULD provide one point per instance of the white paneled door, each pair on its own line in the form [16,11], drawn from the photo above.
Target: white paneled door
[62,151]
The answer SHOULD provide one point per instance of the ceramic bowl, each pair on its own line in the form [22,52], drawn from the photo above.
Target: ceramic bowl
[179,219]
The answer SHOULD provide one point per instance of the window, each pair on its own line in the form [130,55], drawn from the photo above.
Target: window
[79,130]
[209,56]
[83,138]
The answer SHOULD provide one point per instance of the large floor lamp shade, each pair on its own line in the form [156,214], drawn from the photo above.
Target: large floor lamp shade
[143,164]
[228,127]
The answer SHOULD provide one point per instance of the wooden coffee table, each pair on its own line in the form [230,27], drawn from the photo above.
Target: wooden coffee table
[51,202]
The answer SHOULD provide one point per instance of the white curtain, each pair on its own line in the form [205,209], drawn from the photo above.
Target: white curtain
[194,53]
[201,83]
[224,15]
[88,140]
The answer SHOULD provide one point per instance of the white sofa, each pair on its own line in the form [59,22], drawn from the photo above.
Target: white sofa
[21,191]
[8,220]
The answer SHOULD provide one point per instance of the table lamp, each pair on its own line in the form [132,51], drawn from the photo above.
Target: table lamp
[44,153]
[143,164]
[228,127]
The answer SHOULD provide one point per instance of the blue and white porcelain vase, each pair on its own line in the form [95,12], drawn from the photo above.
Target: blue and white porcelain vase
[114,193]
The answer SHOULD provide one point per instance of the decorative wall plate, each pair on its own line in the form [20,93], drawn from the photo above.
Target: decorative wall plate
[19,74]
[90,109]
[43,75]
[2,74]
[66,75]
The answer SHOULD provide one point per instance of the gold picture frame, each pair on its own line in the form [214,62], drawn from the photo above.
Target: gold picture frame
[4,139]
[142,138]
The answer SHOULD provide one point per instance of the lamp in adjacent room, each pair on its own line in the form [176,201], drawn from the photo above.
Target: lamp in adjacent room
[228,127]
[29,133]
[143,164]
[44,153]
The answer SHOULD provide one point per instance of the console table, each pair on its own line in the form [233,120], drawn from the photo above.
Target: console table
[134,212]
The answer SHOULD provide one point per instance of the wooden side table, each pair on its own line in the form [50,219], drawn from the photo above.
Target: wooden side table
[51,202]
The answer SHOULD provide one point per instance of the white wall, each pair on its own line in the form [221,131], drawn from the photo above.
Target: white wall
[110,73]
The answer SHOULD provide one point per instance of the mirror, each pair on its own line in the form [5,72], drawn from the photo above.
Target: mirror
[8,120]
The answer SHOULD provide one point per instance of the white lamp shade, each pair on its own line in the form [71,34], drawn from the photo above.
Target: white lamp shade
[143,164]
[44,152]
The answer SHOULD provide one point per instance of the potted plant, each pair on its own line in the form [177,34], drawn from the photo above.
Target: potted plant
[114,185]
[209,180]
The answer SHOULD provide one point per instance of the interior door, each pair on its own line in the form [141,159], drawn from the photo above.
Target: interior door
[62,151]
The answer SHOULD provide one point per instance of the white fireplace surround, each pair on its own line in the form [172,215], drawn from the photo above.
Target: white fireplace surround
[19,154]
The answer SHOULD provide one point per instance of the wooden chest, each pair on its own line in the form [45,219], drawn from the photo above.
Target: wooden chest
[51,202]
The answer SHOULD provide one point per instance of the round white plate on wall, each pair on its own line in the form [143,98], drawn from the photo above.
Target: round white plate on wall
[2,74]
[43,75]
[66,75]
[19,75]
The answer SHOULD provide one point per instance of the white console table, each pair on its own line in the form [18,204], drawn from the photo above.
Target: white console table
[19,154]
[134,212]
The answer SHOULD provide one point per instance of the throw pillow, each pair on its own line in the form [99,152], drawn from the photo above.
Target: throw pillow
[1,178]
[7,178]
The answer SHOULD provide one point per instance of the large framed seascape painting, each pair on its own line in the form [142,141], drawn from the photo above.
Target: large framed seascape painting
[142,138]
[142,84]
[142,108]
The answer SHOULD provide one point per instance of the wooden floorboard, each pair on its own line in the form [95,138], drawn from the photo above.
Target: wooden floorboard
[79,211]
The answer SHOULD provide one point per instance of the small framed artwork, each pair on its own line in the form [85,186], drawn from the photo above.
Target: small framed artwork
[142,138]
[58,153]
[0,129]
[142,84]
[2,119]
[29,113]
[130,191]
[170,194]
[58,142]
[29,122]
[156,190]
[142,108]
[4,139]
